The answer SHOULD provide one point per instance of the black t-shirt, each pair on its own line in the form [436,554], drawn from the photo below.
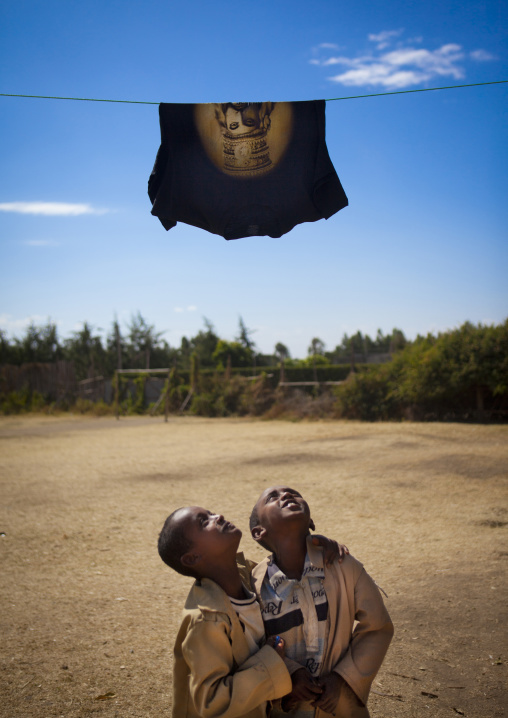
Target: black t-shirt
[244,169]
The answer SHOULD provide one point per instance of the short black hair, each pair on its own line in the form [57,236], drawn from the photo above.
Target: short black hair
[173,544]
[254,517]
[253,522]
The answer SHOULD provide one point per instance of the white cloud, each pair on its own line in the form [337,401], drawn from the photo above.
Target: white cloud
[338,61]
[190,308]
[50,209]
[328,46]
[13,326]
[481,55]
[379,75]
[404,65]
[383,39]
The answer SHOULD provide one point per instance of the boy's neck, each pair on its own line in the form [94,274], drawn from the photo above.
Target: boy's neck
[289,552]
[227,576]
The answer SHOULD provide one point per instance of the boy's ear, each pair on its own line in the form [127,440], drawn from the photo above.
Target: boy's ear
[258,532]
[189,559]
[311,525]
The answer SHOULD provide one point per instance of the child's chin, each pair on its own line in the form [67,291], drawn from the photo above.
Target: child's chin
[234,535]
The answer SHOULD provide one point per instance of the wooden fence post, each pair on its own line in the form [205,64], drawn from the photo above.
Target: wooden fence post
[117,395]
[166,403]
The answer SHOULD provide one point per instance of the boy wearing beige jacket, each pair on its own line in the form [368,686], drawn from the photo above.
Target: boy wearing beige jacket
[332,618]
[223,667]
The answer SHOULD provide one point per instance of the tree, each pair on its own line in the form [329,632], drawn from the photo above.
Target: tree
[282,352]
[233,352]
[194,371]
[382,343]
[8,355]
[116,347]
[39,344]
[397,340]
[244,335]
[204,344]
[86,352]
[143,339]
[317,346]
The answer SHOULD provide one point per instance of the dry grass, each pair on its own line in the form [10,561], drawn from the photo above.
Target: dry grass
[89,609]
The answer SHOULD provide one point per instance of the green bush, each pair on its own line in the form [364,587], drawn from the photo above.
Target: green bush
[368,396]
[92,408]
[204,405]
[16,402]
[455,375]
[37,401]
[257,397]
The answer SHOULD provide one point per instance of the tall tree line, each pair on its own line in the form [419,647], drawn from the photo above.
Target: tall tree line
[139,346]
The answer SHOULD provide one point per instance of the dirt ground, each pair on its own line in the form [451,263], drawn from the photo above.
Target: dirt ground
[89,612]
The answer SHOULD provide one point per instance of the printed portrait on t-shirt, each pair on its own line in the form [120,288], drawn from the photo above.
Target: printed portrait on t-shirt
[244,139]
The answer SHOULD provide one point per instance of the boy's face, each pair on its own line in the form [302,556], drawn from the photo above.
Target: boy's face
[209,534]
[280,504]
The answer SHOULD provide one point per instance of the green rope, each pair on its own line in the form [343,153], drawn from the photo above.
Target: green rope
[426,89]
[331,99]
[80,99]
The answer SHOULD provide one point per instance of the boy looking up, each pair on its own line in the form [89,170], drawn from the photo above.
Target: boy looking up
[222,665]
[314,607]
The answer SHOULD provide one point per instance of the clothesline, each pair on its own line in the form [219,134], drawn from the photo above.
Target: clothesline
[331,99]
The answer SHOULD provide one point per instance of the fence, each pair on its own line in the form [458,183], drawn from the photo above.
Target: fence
[55,381]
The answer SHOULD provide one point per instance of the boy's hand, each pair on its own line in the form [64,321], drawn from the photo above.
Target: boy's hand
[331,685]
[331,549]
[278,645]
[304,689]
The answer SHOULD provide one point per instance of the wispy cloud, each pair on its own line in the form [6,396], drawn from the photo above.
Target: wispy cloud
[13,326]
[383,39]
[328,46]
[401,66]
[41,243]
[190,308]
[50,209]
[481,56]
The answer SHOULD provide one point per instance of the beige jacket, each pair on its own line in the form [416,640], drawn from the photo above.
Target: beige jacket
[355,652]
[214,675]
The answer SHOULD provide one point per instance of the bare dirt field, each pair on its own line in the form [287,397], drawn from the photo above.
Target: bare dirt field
[89,612]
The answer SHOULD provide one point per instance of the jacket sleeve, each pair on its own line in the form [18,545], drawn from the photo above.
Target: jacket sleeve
[218,687]
[370,640]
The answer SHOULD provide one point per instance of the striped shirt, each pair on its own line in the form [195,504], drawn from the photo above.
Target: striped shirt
[297,610]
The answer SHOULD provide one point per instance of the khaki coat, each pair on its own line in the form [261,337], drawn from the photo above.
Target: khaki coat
[214,675]
[360,630]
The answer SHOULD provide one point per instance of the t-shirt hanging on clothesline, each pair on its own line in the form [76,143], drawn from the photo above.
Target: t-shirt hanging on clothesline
[242,169]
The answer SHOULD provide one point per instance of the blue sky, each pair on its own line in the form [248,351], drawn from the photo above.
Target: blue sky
[422,246]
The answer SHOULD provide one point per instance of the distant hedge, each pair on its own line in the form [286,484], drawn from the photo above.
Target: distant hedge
[462,374]
[457,375]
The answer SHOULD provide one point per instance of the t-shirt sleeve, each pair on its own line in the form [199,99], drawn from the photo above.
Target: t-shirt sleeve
[328,194]
[161,174]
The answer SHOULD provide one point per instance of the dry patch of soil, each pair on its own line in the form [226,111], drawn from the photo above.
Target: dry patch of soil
[89,612]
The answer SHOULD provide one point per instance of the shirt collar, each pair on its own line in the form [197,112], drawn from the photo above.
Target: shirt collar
[282,585]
